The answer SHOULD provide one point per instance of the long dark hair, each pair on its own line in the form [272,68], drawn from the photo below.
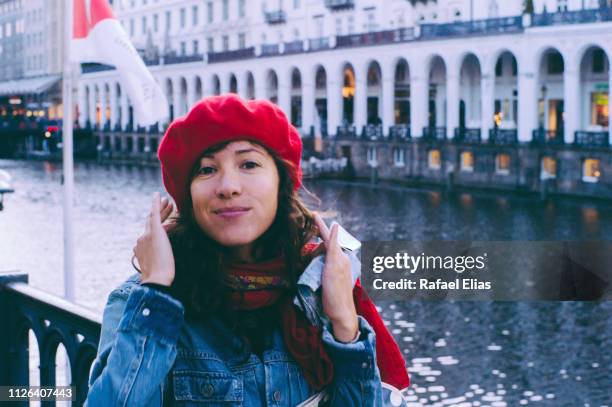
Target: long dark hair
[198,258]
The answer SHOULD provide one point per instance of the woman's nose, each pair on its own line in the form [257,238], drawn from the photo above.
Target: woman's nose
[229,184]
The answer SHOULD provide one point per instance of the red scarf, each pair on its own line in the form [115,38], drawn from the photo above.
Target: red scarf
[263,284]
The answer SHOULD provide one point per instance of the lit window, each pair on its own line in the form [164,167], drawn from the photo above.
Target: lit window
[590,170]
[549,168]
[467,161]
[372,157]
[502,164]
[398,157]
[434,160]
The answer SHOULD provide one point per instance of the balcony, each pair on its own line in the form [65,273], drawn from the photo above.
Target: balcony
[335,5]
[235,55]
[503,136]
[275,17]
[318,44]
[434,133]
[477,27]
[372,131]
[346,132]
[53,320]
[269,50]
[400,132]
[547,137]
[573,17]
[466,135]
[181,59]
[294,47]
[592,139]
[375,38]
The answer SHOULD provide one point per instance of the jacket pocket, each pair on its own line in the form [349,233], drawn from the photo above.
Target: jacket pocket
[208,388]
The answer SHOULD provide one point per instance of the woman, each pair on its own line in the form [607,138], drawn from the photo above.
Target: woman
[211,317]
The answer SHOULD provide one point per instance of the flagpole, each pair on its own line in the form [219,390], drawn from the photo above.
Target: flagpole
[68,164]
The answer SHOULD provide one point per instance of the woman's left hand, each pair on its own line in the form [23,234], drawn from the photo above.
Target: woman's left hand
[337,286]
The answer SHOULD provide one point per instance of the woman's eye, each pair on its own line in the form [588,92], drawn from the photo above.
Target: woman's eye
[206,170]
[249,165]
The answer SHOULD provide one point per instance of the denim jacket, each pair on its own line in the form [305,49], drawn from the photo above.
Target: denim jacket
[150,355]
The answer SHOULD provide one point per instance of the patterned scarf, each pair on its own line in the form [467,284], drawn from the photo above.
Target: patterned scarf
[257,285]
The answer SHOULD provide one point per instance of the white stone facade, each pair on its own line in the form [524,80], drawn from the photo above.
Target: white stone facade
[551,76]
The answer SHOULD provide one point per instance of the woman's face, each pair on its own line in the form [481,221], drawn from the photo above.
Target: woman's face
[235,195]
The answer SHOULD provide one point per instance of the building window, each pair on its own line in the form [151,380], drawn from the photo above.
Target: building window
[168,20]
[599,59]
[225,10]
[467,161]
[155,22]
[555,63]
[194,15]
[338,26]
[144,25]
[183,48]
[502,164]
[196,46]
[590,170]
[241,9]
[398,157]
[499,68]
[131,27]
[351,25]
[548,168]
[372,157]
[296,4]
[182,14]
[434,160]
[241,40]
[600,110]
[225,43]
[210,44]
[210,12]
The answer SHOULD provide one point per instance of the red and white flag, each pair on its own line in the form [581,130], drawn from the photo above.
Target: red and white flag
[99,37]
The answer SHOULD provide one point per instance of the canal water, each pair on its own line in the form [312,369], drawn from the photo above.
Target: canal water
[458,353]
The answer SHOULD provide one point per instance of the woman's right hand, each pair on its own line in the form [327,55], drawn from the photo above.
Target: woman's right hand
[153,249]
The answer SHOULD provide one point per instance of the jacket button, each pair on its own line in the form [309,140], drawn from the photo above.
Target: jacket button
[207,389]
[277,395]
[365,365]
[146,312]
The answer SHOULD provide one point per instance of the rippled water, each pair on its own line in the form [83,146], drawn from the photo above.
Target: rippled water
[463,353]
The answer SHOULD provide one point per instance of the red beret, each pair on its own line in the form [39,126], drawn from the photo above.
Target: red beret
[217,119]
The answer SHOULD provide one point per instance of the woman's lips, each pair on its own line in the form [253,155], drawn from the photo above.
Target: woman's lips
[230,213]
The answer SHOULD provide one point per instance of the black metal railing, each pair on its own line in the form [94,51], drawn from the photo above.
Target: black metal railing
[181,59]
[346,131]
[375,38]
[275,17]
[503,25]
[467,135]
[573,17]
[372,131]
[339,4]
[234,55]
[550,137]
[90,68]
[269,49]
[294,47]
[503,136]
[591,138]
[400,132]
[434,133]
[53,320]
[317,44]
